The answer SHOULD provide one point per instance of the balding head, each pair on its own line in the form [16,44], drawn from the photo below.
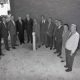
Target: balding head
[73,28]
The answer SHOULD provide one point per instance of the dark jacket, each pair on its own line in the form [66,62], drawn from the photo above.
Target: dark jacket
[4,30]
[0,30]
[43,27]
[29,25]
[50,30]
[11,28]
[59,33]
[20,26]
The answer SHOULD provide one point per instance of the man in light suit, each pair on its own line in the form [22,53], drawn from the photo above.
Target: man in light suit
[12,31]
[71,47]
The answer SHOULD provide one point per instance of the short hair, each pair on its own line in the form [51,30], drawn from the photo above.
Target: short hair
[67,26]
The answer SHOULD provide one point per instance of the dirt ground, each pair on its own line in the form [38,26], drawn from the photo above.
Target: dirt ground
[43,64]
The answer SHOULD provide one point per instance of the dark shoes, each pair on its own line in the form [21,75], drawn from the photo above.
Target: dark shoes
[62,60]
[46,46]
[16,45]
[55,52]
[68,70]
[13,47]
[8,49]
[66,66]
[2,55]
[54,48]
[50,48]
[39,46]
[59,55]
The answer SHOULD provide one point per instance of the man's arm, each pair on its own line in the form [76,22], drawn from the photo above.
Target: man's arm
[75,43]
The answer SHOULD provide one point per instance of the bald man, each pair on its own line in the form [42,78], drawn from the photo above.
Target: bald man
[71,47]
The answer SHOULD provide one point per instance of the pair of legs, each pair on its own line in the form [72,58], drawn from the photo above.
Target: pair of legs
[6,43]
[38,41]
[59,46]
[1,54]
[43,38]
[69,59]
[49,42]
[13,40]
[29,36]
[21,37]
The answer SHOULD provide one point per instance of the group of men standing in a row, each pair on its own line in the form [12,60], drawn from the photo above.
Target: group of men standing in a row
[50,33]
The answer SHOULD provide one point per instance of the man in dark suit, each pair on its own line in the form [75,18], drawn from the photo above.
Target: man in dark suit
[20,29]
[43,30]
[5,33]
[0,37]
[29,27]
[12,31]
[54,34]
[58,37]
[50,32]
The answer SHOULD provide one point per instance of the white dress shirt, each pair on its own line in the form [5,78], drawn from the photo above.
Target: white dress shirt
[43,21]
[72,42]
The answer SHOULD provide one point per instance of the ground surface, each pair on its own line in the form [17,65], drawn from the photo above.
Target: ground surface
[43,64]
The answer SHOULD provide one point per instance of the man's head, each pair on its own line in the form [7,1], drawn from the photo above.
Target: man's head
[4,19]
[35,20]
[12,17]
[73,28]
[42,17]
[66,27]
[28,16]
[56,22]
[50,20]
[19,18]
[59,23]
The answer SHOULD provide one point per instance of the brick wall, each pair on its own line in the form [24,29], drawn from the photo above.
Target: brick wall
[67,10]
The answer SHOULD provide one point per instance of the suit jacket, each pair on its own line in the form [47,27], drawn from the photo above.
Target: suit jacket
[0,30]
[43,27]
[36,29]
[50,30]
[55,30]
[59,33]
[29,25]
[20,26]
[4,30]
[11,27]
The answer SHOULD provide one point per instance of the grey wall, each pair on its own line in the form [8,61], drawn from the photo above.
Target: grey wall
[67,10]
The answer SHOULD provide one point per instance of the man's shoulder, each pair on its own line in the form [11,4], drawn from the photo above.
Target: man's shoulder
[76,33]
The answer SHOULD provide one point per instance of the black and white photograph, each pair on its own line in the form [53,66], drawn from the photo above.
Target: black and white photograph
[39,39]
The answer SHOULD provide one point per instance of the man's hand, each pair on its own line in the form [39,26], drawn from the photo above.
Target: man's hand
[17,32]
[71,54]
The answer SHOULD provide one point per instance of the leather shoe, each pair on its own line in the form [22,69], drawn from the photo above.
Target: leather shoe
[16,45]
[62,60]
[50,48]
[2,54]
[66,66]
[8,49]
[13,48]
[59,55]
[55,52]
[68,70]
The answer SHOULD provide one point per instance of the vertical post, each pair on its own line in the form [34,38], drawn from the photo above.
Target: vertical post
[34,41]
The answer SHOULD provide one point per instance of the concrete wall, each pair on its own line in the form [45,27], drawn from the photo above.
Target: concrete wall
[67,10]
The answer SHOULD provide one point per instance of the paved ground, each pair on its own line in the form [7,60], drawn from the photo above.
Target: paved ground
[43,64]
